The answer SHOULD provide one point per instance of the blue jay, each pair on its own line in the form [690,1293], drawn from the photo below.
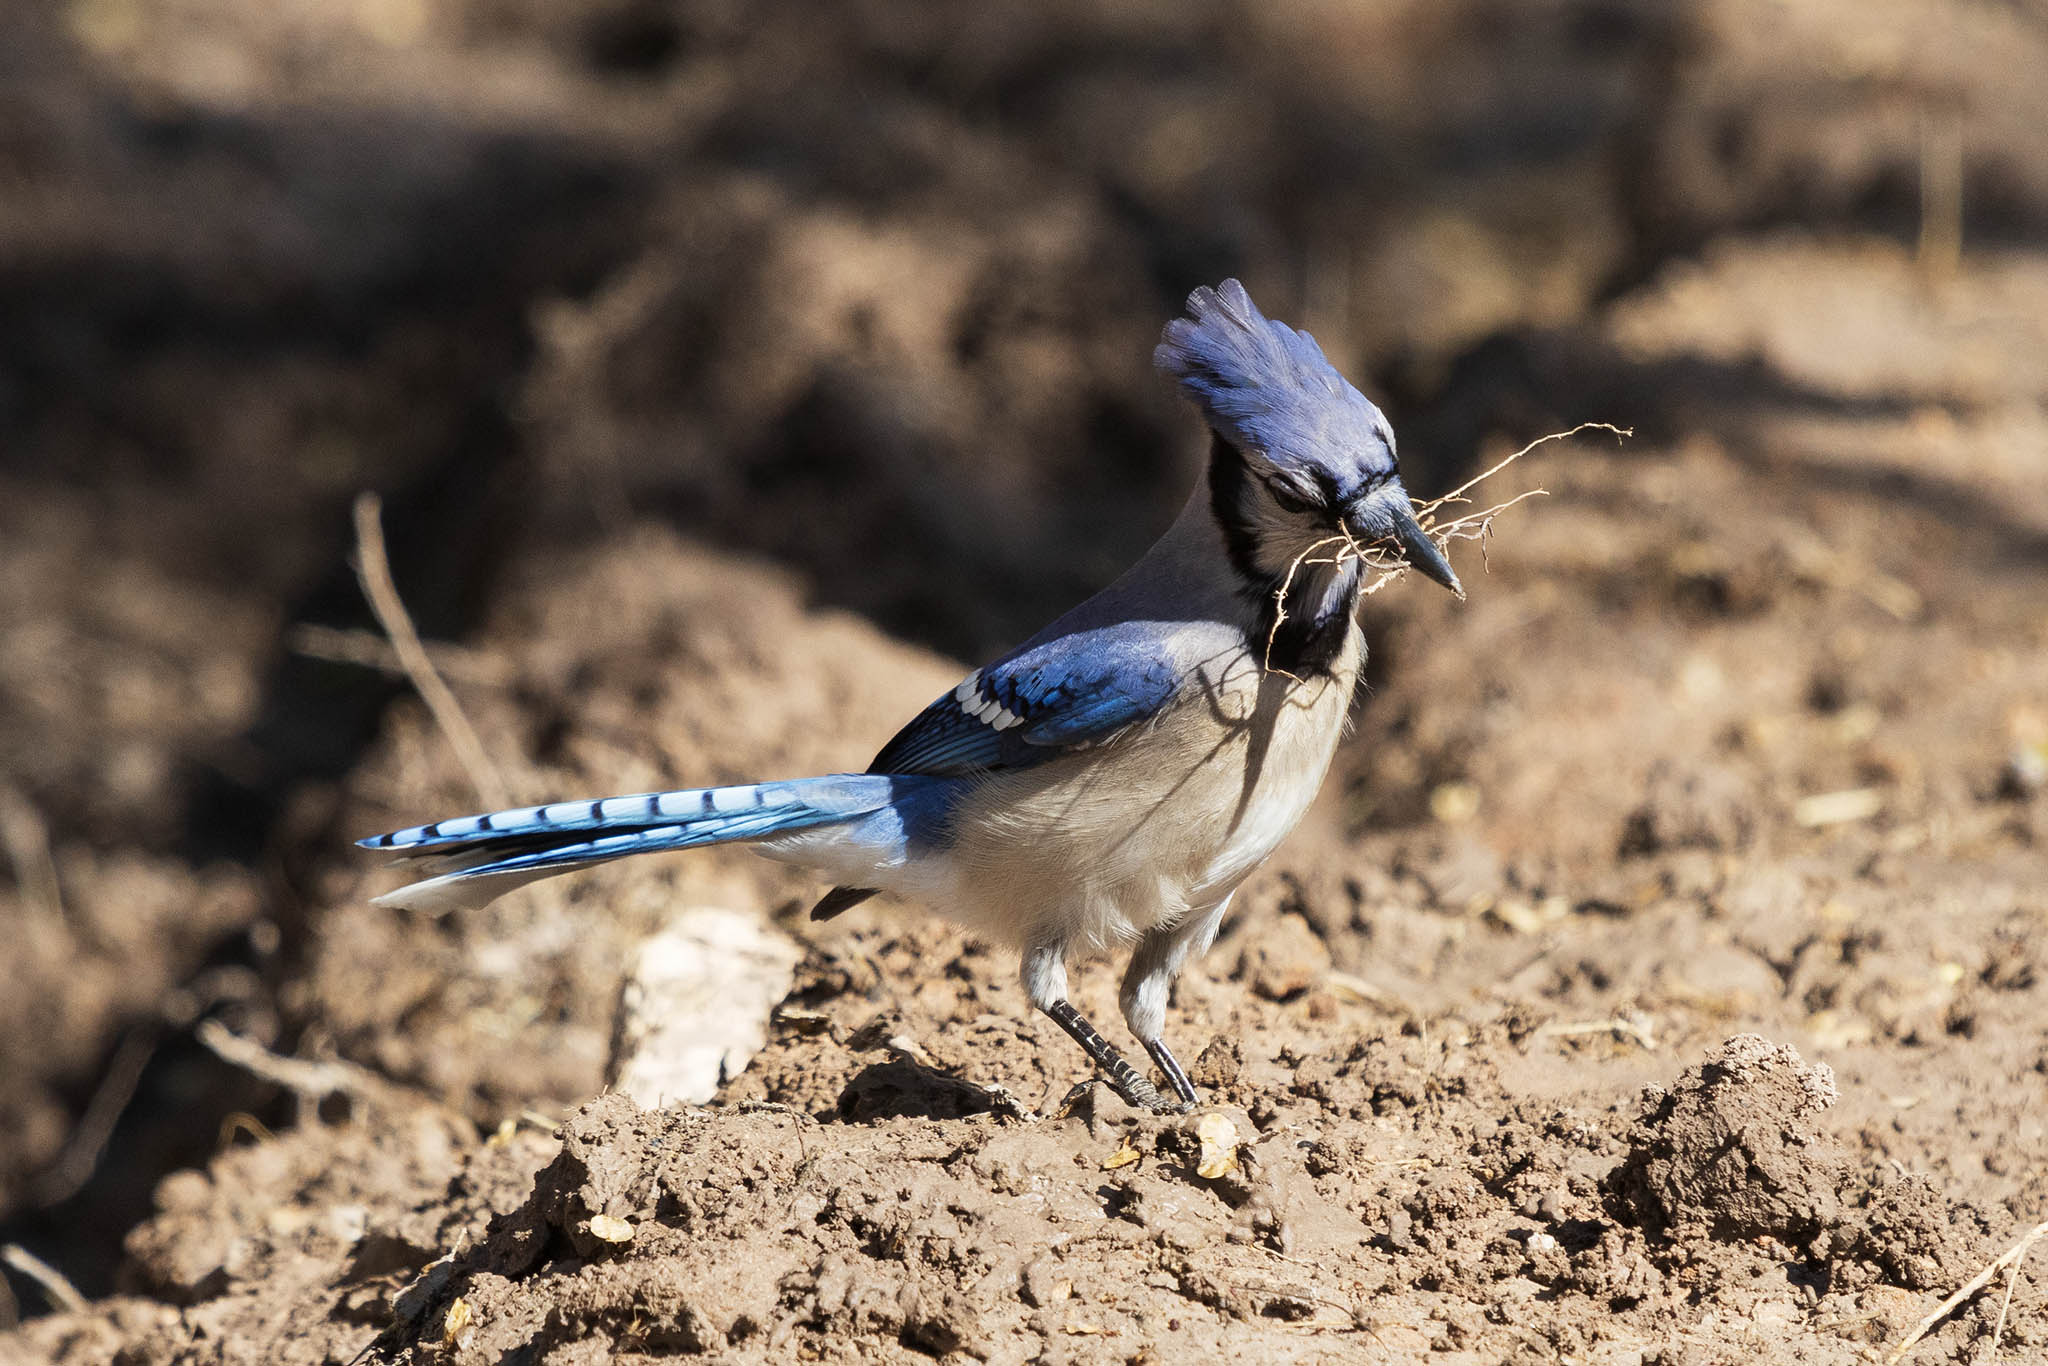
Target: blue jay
[1114,778]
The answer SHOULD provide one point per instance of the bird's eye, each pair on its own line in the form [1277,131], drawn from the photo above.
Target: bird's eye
[1289,497]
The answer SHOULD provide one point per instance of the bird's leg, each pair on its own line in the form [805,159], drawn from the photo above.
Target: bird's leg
[1115,1069]
[1045,981]
[1175,1077]
[1149,979]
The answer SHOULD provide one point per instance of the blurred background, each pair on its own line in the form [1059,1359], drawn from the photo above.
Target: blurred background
[861,296]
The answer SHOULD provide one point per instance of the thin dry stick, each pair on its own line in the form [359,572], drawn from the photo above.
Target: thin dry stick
[368,650]
[2010,1257]
[1636,1030]
[62,1293]
[88,1141]
[303,1077]
[27,838]
[373,570]
[2012,1280]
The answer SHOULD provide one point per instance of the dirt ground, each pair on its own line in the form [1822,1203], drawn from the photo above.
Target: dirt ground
[1662,977]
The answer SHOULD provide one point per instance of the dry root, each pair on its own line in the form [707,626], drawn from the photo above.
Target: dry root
[1387,564]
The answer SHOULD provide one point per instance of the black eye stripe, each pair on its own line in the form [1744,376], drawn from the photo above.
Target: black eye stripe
[1328,494]
[1367,487]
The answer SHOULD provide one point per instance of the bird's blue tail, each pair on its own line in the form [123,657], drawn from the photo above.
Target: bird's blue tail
[473,859]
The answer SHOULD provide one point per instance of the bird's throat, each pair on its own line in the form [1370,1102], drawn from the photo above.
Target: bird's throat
[1302,612]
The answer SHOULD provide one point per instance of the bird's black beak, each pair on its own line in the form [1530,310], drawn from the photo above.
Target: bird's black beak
[1387,515]
[1423,552]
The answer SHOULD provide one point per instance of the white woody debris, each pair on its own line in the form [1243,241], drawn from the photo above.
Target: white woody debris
[695,1009]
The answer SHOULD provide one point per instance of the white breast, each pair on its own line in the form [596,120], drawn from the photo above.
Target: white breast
[1103,845]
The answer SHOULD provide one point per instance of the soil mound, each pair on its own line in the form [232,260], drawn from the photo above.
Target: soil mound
[1731,1151]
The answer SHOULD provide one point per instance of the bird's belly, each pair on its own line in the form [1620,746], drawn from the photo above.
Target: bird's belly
[1278,773]
[1102,846]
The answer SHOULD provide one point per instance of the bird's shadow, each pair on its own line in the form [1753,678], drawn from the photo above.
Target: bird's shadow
[903,1087]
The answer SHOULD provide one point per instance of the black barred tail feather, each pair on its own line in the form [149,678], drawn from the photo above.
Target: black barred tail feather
[475,859]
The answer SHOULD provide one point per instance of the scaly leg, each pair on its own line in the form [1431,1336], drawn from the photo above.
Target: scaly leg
[1045,981]
[1175,1077]
[1156,961]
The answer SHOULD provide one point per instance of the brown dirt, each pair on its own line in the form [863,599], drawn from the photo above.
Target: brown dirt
[724,378]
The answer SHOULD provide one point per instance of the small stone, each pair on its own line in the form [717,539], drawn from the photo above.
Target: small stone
[1285,961]
[1044,1286]
[455,1323]
[697,1004]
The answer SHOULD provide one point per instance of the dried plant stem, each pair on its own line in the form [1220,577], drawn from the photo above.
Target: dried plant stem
[368,650]
[1636,1029]
[1350,549]
[1449,531]
[1473,526]
[373,570]
[62,1293]
[2012,1280]
[2009,1258]
[306,1079]
[87,1143]
[27,837]
[1459,492]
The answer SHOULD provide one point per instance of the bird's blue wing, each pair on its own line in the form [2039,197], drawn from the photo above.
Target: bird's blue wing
[1046,699]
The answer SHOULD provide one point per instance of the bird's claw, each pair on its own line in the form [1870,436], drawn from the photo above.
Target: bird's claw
[1141,1094]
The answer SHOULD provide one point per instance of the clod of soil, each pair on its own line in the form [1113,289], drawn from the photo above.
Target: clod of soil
[1730,1151]
[1910,1234]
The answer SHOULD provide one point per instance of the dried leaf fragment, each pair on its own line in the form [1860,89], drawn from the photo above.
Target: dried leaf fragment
[610,1228]
[1124,1156]
[456,1322]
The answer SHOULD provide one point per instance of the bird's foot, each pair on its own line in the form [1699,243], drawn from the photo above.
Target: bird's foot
[1117,1071]
[1139,1093]
[1145,1096]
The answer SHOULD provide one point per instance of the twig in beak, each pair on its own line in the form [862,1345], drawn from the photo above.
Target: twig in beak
[1473,526]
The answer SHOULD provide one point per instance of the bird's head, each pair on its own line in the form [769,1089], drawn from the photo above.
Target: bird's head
[1317,456]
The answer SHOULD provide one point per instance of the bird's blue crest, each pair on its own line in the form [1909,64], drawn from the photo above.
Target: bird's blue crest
[1271,392]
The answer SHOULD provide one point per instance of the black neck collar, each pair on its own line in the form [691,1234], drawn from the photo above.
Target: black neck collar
[1321,600]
